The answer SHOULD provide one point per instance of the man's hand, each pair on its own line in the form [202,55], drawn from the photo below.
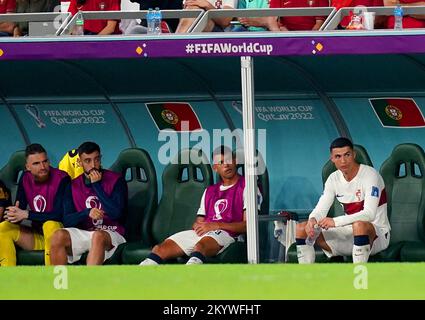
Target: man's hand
[95,175]
[309,227]
[15,215]
[203,227]
[96,213]
[202,4]
[327,223]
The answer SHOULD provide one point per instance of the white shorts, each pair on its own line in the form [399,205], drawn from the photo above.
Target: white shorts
[187,240]
[81,243]
[341,241]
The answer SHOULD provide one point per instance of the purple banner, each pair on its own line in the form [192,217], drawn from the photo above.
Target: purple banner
[211,47]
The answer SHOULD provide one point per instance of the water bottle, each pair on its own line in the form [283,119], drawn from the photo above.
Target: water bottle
[150,18]
[79,25]
[311,240]
[158,21]
[398,18]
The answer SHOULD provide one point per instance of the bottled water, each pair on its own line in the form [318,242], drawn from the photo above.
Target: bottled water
[398,18]
[150,18]
[79,25]
[158,21]
[311,240]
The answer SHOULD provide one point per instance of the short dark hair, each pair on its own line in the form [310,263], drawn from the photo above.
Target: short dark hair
[33,149]
[223,150]
[341,142]
[88,147]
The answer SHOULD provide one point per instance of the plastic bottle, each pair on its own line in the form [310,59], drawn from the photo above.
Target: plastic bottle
[79,25]
[150,18]
[398,18]
[311,240]
[158,21]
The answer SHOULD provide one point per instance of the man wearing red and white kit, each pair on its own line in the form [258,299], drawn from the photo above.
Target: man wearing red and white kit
[100,27]
[299,23]
[7,6]
[415,21]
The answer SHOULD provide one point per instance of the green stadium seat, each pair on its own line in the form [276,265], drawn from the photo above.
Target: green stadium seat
[336,210]
[403,173]
[183,185]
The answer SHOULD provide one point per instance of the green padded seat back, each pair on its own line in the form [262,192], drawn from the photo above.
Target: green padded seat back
[137,167]
[403,173]
[183,183]
[361,157]
[9,174]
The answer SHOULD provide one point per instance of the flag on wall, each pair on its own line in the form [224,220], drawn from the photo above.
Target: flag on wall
[398,112]
[178,116]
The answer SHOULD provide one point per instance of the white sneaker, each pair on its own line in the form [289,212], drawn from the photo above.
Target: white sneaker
[148,262]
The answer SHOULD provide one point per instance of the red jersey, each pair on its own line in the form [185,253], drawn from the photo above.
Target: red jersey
[7,6]
[299,23]
[96,26]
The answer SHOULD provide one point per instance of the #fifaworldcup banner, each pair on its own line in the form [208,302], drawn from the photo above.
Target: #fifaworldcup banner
[171,115]
[398,112]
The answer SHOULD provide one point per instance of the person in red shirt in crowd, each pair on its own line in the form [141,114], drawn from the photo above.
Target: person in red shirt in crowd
[100,27]
[6,28]
[411,21]
[299,23]
[289,23]
[338,4]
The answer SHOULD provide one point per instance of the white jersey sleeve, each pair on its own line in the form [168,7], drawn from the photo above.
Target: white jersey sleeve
[325,202]
[373,187]
[201,210]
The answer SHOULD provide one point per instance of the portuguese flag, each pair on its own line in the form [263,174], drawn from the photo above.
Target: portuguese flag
[178,116]
[398,112]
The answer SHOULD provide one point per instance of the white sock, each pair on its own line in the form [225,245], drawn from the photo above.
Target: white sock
[361,253]
[194,260]
[148,262]
[305,254]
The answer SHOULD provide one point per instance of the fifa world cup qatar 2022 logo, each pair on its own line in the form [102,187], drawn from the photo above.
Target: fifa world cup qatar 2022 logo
[39,203]
[93,202]
[219,207]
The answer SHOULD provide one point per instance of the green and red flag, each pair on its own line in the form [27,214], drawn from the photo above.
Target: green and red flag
[178,116]
[398,112]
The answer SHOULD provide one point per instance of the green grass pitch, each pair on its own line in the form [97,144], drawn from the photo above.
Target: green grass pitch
[250,282]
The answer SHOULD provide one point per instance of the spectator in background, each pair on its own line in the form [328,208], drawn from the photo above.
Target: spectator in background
[97,27]
[254,23]
[6,28]
[338,4]
[299,23]
[216,24]
[411,21]
[28,6]
[5,199]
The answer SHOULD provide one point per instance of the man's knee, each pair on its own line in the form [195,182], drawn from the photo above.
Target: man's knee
[100,238]
[362,227]
[61,237]
[6,227]
[300,233]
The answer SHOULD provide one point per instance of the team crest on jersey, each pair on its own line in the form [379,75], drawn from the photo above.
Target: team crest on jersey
[358,194]
[169,116]
[375,192]
[39,203]
[219,207]
[393,112]
[93,202]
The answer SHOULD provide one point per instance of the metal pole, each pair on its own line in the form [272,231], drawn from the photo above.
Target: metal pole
[247,75]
